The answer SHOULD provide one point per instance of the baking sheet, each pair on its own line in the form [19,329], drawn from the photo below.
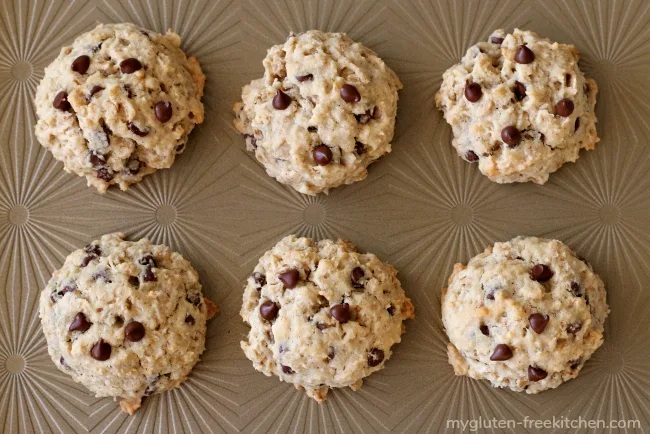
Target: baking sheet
[421,208]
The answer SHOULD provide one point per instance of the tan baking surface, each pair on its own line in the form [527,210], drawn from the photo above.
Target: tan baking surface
[422,209]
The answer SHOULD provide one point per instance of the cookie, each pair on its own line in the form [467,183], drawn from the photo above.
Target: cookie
[519,105]
[525,314]
[322,315]
[119,104]
[324,111]
[125,319]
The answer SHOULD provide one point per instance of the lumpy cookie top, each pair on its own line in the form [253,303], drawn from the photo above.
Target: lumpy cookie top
[125,319]
[323,112]
[321,314]
[119,103]
[519,105]
[525,314]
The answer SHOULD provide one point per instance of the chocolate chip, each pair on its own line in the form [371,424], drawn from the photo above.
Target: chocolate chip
[134,281]
[321,326]
[189,319]
[322,155]
[375,357]
[97,160]
[564,107]
[524,55]
[350,93]
[133,167]
[281,100]
[541,273]
[536,374]
[163,111]
[93,91]
[341,312]
[305,77]
[134,331]
[148,275]
[287,370]
[137,131]
[312,129]
[101,351]
[490,295]
[129,66]
[269,310]
[575,289]
[127,89]
[519,90]
[259,279]
[359,148]
[577,124]
[81,64]
[180,147]
[574,328]
[80,323]
[473,91]
[567,80]
[331,353]
[71,287]
[290,278]
[575,363]
[147,259]
[471,156]
[538,322]
[61,101]
[62,361]
[105,174]
[391,310]
[87,259]
[195,299]
[485,330]
[356,275]
[501,352]
[496,40]
[511,136]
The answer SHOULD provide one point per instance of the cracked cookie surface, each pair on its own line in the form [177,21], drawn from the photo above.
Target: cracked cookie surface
[525,314]
[324,111]
[119,104]
[322,315]
[125,319]
[519,105]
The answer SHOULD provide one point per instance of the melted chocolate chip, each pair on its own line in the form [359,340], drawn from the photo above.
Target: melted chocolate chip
[281,100]
[137,131]
[290,278]
[359,148]
[133,167]
[485,330]
[163,110]
[576,126]
[538,322]
[195,299]
[287,370]
[97,160]
[269,310]
[189,319]
[350,93]
[524,55]
[356,275]
[501,352]
[148,260]
[87,259]
[322,155]
[375,357]
[312,129]
[129,66]
[331,353]
[93,91]
[575,289]
[574,328]
[341,312]
[564,107]
[148,275]
[134,281]
[321,326]
[105,174]
[134,331]
[496,40]
[536,374]
[519,90]
[80,323]
[302,78]
[511,136]
[575,363]
[391,310]
[471,156]
[101,351]
[541,273]
[473,92]
[259,279]
[81,64]
[61,101]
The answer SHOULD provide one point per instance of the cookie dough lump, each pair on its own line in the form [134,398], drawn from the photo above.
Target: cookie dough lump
[519,105]
[118,104]
[525,314]
[324,111]
[125,319]
[322,315]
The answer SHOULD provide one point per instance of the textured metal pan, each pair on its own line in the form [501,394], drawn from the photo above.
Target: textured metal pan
[421,209]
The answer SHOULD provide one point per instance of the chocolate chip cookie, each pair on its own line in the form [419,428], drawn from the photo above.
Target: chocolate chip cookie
[125,319]
[119,104]
[322,315]
[525,314]
[519,106]
[324,111]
